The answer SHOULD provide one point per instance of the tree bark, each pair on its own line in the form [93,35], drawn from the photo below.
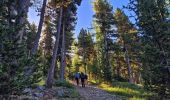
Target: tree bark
[50,76]
[118,66]
[38,35]
[106,54]
[128,64]
[62,67]
[84,61]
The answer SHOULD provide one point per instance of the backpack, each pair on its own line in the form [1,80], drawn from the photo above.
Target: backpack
[85,77]
[82,76]
[77,75]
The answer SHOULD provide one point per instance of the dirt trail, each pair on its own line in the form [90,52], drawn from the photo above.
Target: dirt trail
[94,93]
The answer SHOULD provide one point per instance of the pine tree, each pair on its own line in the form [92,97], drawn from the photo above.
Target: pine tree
[103,22]
[152,19]
[55,50]
[85,44]
[16,67]
[69,22]
[66,9]
[31,33]
[38,35]
[125,29]
[46,43]
[22,7]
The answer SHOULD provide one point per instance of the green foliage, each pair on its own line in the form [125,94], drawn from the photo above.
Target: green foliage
[46,44]
[65,83]
[86,47]
[31,33]
[103,22]
[152,19]
[126,51]
[119,78]
[17,69]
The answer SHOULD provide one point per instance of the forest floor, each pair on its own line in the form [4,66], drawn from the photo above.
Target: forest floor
[68,90]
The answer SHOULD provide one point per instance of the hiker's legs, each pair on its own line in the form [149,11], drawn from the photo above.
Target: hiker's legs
[85,82]
[82,82]
[77,81]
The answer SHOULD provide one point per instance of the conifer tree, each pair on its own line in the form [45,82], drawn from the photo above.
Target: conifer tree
[16,67]
[152,20]
[63,7]
[46,43]
[124,28]
[103,22]
[38,35]
[85,44]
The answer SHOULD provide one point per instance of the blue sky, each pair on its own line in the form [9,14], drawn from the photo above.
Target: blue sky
[84,13]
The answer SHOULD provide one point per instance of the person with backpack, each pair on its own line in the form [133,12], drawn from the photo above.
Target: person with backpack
[86,79]
[77,77]
[82,76]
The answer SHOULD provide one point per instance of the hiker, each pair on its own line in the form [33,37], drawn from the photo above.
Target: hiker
[77,77]
[82,76]
[86,77]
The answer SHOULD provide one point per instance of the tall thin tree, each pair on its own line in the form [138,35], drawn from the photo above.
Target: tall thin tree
[35,47]
[50,76]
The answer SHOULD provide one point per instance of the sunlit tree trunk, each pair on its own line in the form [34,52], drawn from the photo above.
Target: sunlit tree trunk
[55,50]
[38,35]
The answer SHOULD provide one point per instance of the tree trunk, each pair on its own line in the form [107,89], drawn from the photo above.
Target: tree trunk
[106,51]
[118,66]
[62,67]
[128,64]
[106,58]
[55,50]
[84,61]
[38,35]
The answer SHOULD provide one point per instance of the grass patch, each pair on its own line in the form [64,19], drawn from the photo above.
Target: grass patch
[126,91]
